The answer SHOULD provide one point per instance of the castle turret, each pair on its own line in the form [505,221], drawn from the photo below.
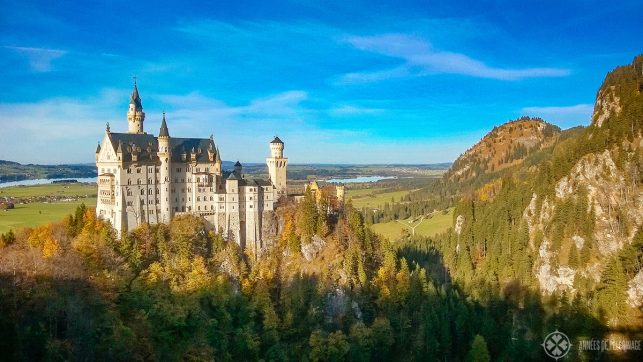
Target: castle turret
[237,168]
[135,114]
[165,156]
[277,166]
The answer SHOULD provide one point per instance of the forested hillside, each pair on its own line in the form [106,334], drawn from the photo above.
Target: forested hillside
[567,223]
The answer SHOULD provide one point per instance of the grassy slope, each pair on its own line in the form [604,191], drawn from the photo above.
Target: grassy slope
[374,198]
[429,227]
[38,213]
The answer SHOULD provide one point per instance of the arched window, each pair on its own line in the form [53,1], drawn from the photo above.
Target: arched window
[142,192]
[149,192]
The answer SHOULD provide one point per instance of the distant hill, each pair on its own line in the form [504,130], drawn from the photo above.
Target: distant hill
[506,145]
[14,171]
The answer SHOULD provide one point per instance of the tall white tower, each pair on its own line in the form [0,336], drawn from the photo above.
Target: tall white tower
[135,114]
[165,155]
[277,166]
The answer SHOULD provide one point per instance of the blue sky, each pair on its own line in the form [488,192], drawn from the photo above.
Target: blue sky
[338,81]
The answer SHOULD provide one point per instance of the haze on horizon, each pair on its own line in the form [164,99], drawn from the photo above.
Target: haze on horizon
[383,82]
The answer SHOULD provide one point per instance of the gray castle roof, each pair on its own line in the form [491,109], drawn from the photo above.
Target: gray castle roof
[277,140]
[146,147]
[164,132]
[135,99]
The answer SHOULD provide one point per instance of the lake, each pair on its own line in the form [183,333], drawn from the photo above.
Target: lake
[360,179]
[46,181]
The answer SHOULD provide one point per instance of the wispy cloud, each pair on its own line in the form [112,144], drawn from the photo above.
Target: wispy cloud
[39,58]
[421,59]
[564,116]
[349,110]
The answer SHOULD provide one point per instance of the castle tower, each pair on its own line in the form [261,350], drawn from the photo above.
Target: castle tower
[165,155]
[277,166]
[135,114]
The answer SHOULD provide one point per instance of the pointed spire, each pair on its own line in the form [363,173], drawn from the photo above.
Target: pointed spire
[164,132]
[135,99]
[120,147]
[107,128]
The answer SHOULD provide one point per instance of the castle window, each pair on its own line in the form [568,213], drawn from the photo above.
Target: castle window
[211,198]
[129,203]
[129,192]
[129,170]
[221,207]
[138,170]
[178,170]
[198,198]
[250,198]
[183,208]
[129,182]
[211,207]
[142,202]
[250,206]
[138,181]
[149,181]
[157,191]
[142,192]
[221,198]
[199,208]
[149,192]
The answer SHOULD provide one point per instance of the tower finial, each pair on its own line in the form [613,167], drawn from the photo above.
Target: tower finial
[107,128]
[134,80]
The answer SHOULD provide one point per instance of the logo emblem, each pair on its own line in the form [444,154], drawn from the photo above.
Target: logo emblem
[556,345]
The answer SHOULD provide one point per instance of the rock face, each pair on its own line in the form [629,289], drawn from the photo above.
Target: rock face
[311,250]
[607,104]
[635,290]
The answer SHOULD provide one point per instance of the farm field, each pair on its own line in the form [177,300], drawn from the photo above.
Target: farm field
[73,189]
[374,198]
[428,227]
[38,213]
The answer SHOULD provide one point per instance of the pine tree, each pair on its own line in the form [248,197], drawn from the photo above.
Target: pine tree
[478,351]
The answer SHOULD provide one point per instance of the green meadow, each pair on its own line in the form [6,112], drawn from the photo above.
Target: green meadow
[374,198]
[38,213]
[436,224]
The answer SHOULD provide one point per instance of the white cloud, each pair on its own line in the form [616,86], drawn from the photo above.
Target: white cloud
[421,58]
[39,58]
[564,116]
[348,110]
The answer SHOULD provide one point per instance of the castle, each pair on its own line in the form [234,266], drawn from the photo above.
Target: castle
[147,179]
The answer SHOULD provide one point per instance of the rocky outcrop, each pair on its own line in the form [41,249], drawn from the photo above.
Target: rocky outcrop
[635,290]
[311,250]
[610,196]
[607,105]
